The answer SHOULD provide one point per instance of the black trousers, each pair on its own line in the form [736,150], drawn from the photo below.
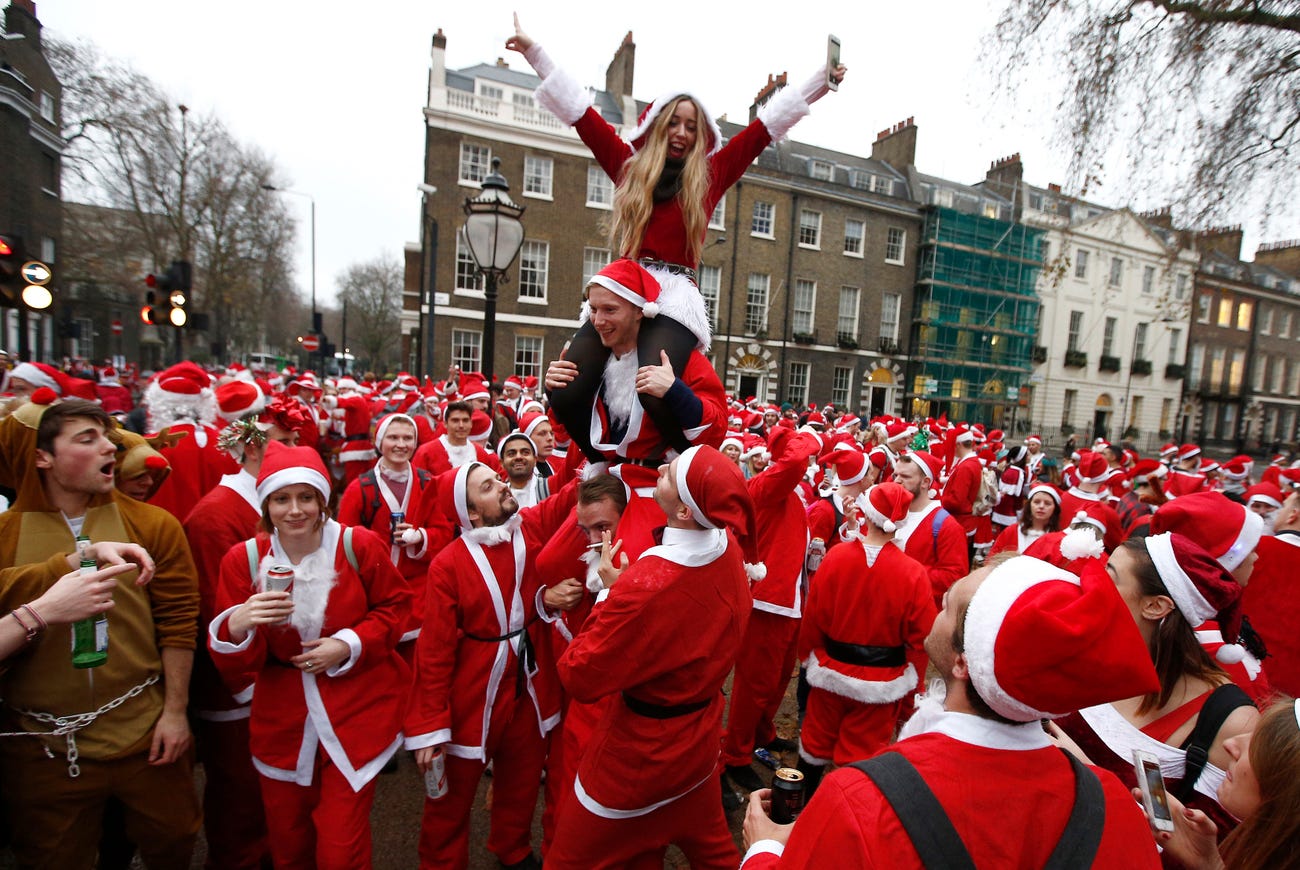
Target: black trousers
[573,402]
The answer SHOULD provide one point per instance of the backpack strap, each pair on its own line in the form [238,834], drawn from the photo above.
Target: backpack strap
[936,523]
[1218,707]
[251,546]
[347,548]
[935,839]
[1081,838]
[425,476]
[369,506]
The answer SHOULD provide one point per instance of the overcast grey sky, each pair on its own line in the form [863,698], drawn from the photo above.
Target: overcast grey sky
[334,91]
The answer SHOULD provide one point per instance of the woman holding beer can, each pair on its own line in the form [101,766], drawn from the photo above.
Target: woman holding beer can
[311,615]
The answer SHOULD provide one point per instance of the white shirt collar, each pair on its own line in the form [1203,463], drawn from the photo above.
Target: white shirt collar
[990,733]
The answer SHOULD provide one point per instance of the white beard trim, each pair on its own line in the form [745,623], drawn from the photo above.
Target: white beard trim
[490,536]
[620,387]
[313,578]
[595,585]
[929,709]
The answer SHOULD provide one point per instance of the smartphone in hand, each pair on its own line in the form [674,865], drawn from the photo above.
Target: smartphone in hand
[832,61]
[1151,782]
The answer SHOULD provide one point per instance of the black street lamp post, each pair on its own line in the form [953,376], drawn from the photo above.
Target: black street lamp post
[494,234]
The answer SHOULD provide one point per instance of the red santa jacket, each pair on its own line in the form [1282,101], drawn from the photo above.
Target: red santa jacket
[1006,790]
[782,527]
[887,604]
[198,465]
[478,593]
[1011,490]
[1272,601]
[666,635]
[368,495]
[941,552]
[221,519]
[642,439]
[352,415]
[961,490]
[352,713]
[439,456]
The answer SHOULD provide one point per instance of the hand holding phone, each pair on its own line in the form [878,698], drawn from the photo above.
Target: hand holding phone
[1151,782]
[832,61]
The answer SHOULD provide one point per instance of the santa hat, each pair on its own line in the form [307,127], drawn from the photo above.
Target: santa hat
[532,406]
[753,445]
[182,392]
[388,420]
[1208,465]
[347,385]
[1238,468]
[1031,642]
[1200,587]
[899,429]
[1226,529]
[1071,549]
[927,462]
[886,506]
[514,436]
[305,381]
[1265,493]
[1044,489]
[529,422]
[629,280]
[735,439]
[237,399]
[480,427]
[1035,439]
[406,383]
[1187,451]
[636,137]
[285,466]
[1289,477]
[815,419]
[714,489]
[847,422]
[75,387]
[850,464]
[108,377]
[473,386]
[1169,451]
[962,435]
[516,382]
[777,439]
[997,436]
[39,375]
[1093,468]
[1145,469]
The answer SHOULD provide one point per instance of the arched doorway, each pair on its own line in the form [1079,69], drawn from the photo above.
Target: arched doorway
[753,372]
[880,389]
[1101,416]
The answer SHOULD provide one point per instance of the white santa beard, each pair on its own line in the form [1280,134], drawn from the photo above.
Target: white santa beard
[313,578]
[594,582]
[459,454]
[620,386]
[929,709]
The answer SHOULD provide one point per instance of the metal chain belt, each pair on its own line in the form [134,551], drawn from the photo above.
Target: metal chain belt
[68,726]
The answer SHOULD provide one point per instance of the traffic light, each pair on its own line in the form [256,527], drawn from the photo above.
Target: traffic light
[168,295]
[11,261]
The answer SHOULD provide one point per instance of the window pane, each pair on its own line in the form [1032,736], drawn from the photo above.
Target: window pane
[810,228]
[533,260]
[756,303]
[466,349]
[467,277]
[847,325]
[710,284]
[798,393]
[528,356]
[894,242]
[805,300]
[537,175]
[761,225]
[475,161]
[889,303]
[600,190]
[841,383]
[854,231]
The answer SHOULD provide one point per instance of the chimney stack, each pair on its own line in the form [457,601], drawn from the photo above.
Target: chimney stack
[765,93]
[618,75]
[1226,240]
[896,145]
[1280,255]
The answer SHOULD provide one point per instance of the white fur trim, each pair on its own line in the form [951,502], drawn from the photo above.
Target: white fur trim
[34,376]
[349,637]
[660,103]
[785,109]
[433,738]
[1081,544]
[755,571]
[810,758]
[365,454]
[650,309]
[865,691]
[764,847]
[1191,603]
[679,300]
[596,808]
[562,96]
[988,608]
[168,409]
[684,491]
[1231,654]
[288,477]
[1247,540]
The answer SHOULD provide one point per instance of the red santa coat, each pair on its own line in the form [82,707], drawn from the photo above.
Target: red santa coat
[1095,506]
[782,527]
[642,439]
[197,466]
[1011,489]
[666,634]
[961,490]
[1006,790]
[419,503]
[1272,601]
[943,555]
[440,455]
[824,520]
[487,592]
[887,604]
[352,415]
[353,714]
[221,519]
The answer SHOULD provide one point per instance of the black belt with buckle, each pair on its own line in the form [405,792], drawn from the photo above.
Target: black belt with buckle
[866,656]
[662,711]
[644,463]
[671,268]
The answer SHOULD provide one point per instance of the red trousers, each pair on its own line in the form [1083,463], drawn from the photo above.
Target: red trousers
[694,822]
[564,753]
[763,670]
[843,730]
[518,752]
[233,819]
[325,825]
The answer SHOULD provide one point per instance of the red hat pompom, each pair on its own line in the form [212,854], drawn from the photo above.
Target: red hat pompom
[44,396]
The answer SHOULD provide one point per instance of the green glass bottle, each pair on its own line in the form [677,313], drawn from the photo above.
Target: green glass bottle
[90,635]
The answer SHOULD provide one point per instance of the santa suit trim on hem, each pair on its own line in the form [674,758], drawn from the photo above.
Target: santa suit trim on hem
[596,808]
[858,689]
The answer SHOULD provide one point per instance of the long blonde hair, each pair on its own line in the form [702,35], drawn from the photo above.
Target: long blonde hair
[634,196]
[1267,838]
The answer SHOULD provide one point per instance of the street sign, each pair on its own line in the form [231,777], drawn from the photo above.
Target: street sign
[117,327]
[36,272]
[311,343]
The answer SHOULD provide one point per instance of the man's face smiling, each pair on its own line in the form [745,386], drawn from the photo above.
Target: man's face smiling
[615,320]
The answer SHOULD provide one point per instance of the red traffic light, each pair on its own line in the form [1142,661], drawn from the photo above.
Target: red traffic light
[148,315]
[150,280]
[6,249]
